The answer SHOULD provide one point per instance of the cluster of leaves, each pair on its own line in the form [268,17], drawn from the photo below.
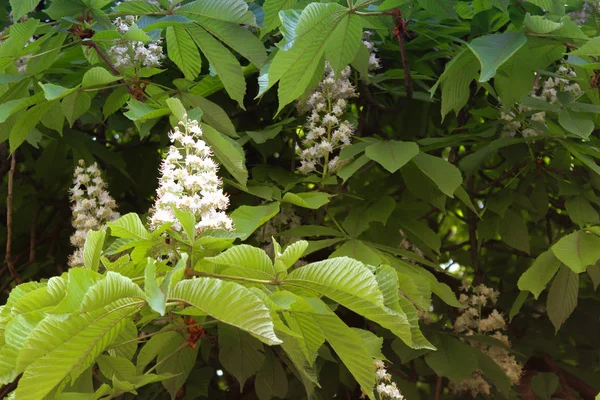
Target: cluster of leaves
[432,192]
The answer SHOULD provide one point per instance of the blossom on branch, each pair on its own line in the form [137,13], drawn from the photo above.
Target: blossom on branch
[92,207]
[189,182]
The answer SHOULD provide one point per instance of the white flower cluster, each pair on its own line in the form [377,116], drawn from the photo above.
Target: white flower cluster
[472,322]
[550,89]
[134,54]
[189,182]
[92,206]
[587,11]
[386,389]
[374,62]
[326,132]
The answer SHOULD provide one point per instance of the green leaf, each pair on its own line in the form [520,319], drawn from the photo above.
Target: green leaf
[494,50]
[442,9]
[455,81]
[581,211]
[183,52]
[576,123]
[16,332]
[175,275]
[271,380]
[176,108]
[578,250]
[343,44]
[139,111]
[235,11]
[445,175]
[22,7]
[240,39]
[247,219]
[351,284]
[177,358]
[92,249]
[539,274]
[291,254]
[311,230]
[350,169]
[129,226]
[540,24]
[110,289]
[594,273]
[241,354]
[98,76]
[516,307]
[26,123]
[271,9]
[545,384]
[589,48]
[514,232]
[346,343]
[562,296]
[115,101]
[188,223]
[294,67]
[245,256]
[392,155]
[224,63]
[155,296]
[313,200]
[228,152]
[120,367]
[70,350]
[230,303]
[75,105]
[453,359]
[213,115]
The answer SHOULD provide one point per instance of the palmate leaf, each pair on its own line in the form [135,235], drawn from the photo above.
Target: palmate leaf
[183,52]
[271,380]
[17,330]
[176,358]
[224,63]
[235,11]
[349,283]
[66,348]
[245,256]
[230,303]
[297,66]
[346,343]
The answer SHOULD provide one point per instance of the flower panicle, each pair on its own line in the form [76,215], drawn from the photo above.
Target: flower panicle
[91,206]
[473,322]
[189,182]
[326,129]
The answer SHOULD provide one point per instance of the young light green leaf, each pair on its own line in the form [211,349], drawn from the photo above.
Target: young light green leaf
[129,226]
[245,256]
[155,296]
[230,303]
[92,249]
[228,152]
[247,219]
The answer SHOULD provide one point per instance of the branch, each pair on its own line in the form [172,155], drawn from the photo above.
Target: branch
[9,222]
[398,31]
[110,65]
[438,388]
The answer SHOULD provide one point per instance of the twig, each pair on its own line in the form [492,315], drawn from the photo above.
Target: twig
[9,221]
[398,32]
[472,224]
[110,65]
[438,388]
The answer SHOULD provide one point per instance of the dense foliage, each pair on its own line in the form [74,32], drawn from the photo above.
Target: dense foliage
[300,200]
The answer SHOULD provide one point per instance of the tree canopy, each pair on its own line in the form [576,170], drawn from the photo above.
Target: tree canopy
[294,199]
